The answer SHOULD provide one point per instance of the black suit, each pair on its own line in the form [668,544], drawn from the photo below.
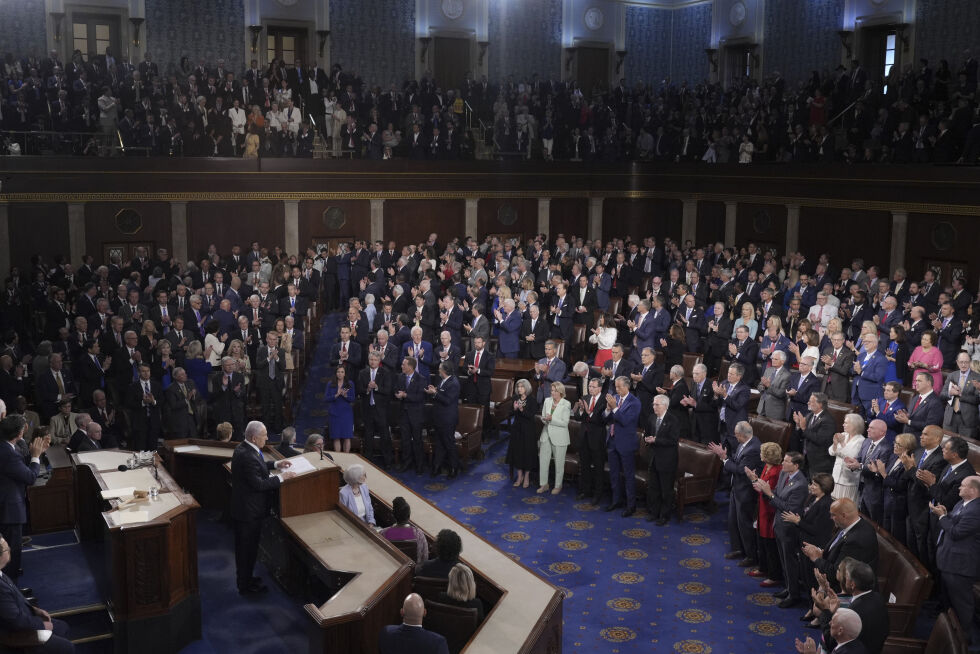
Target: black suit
[227,402]
[873,609]
[592,453]
[946,491]
[181,413]
[789,494]
[860,542]
[919,496]
[402,639]
[250,503]
[144,416]
[646,389]
[817,437]
[374,411]
[662,467]
[413,417]
[705,413]
[534,349]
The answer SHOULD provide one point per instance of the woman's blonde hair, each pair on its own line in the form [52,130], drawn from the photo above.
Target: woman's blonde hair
[462,585]
[772,453]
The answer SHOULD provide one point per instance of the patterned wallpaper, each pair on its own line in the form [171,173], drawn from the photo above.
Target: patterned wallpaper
[212,30]
[22,28]
[525,38]
[801,36]
[376,38]
[664,43]
[691,35]
[944,28]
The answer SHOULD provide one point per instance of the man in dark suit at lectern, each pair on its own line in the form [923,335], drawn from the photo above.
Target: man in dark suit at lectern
[251,484]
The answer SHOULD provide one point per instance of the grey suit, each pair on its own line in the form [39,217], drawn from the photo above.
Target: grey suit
[963,422]
[772,404]
[481,328]
[789,495]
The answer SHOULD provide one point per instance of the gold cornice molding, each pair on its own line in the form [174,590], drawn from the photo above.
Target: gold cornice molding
[265,196]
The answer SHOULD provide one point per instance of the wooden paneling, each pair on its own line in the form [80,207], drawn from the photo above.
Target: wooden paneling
[762,224]
[846,235]
[488,218]
[37,228]
[357,220]
[100,225]
[411,221]
[942,239]
[233,223]
[710,224]
[638,218]
[569,216]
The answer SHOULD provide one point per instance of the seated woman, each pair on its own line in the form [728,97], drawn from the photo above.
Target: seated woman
[355,495]
[448,547]
[462,591]
[403,529]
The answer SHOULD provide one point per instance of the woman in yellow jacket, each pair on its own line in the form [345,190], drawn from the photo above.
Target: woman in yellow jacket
[554,437]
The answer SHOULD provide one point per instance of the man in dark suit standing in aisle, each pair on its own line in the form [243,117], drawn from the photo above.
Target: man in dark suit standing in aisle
[270,376]
[702,400]
[374,385]
[817,432]
[143,399]
[410,389]
[788,497]
[411,636]
[663,431]
[621,415]
[15,477]
[445,415]
[251,499]
[743,464]
[956,556]
[592,455]
[732,399]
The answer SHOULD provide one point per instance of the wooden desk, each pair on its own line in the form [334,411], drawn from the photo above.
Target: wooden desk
[150,575]
[51,499]
[528,616]
[516,368]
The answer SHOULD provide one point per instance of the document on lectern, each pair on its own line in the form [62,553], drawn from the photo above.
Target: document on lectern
[299,465]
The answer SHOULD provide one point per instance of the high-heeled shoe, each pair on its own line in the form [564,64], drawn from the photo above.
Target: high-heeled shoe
[543,489]
[527,483]
[517,483]
[556,490]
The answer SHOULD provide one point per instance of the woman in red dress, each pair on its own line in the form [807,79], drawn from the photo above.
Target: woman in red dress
[768,555]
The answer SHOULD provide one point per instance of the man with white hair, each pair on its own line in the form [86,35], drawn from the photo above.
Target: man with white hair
[775,381]
[822,313]
[420,350]
[845,627]
[663,431]
[509,323]
[251,497]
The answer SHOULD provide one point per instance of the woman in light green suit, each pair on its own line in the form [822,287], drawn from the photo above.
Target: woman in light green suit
[554,437]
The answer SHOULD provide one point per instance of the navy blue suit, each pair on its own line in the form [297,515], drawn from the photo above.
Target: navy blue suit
[736,407]
[930,411]
[424,359]
[16,615]
[867,385]
[887,415]
[509,331]
[445,415]
[401,639]
[250,500]
[621,446]
[742,509]
[15,477]
[956,558]
[413,417]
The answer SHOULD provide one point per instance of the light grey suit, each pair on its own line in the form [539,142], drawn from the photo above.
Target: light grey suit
[964,422]
[772,404]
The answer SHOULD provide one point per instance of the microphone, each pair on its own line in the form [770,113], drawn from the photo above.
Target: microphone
[123,468]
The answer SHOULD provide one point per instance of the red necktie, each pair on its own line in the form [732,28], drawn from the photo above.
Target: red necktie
[885,410]
[916,405]
[476,364]
[592,404]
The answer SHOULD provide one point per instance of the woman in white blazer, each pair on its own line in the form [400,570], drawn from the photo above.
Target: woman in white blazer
[554,437]
[847,445]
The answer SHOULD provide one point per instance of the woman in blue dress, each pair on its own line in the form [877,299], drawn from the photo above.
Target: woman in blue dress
[897,353]
[339,397]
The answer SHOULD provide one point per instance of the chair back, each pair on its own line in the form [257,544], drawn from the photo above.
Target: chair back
[429,587]
[456,623]
[501,389]
[409,547]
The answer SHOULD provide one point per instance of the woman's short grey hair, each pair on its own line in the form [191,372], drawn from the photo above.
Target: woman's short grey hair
[677,371]
[856,421]
[354,474]
[525,384]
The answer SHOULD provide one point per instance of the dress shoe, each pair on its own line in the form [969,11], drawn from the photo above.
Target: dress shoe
[789,603]
[627,512]
[27,592]
[662,522]
[783,594]
[613,507]
[769,583]
[734,555]
[747,563]
[757,573]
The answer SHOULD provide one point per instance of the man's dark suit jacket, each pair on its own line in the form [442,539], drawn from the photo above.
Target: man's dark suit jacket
[534,349]
[250,484]
[817,437]
[873,610]
[403,639]
[860,543]
[15,477]
[663,451]
[15,613]
[930,411]
[749,457]
[747,355]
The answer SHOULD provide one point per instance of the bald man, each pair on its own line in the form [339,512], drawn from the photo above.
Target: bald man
[876,447]
[855,538]
[409,637]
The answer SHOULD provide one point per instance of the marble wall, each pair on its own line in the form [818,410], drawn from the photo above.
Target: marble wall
[208,30]
[525,38]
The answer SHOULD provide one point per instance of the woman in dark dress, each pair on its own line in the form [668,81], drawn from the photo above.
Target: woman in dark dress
[674,346]
[339,397]
[814,525]
[522,452]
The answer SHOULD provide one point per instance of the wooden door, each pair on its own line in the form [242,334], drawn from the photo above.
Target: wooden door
[286,44]
[878,51]
[93,33]
[452,61]
[593,69]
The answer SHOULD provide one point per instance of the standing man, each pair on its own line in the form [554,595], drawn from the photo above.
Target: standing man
[787,500]
[374,385]
[743,466]
[956,556]
[143,401]
[592,456]
[622,413]
[410,389]
[664,430]
[549,370]
[270,373]
[445,415]
[15,477]
[961,397]
[251,499]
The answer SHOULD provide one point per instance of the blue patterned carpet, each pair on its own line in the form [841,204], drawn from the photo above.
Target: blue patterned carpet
[630,586]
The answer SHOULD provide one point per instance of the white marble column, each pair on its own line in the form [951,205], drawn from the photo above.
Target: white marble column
[792,227]
[731,211]
[4,237]
[595,218]
[377,220]
[470,226]
[544,216]
[689,221]
[291,243]
[900,232]
[178,230]
[76,231]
